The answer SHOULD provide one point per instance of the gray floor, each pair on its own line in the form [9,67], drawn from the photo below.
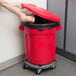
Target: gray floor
[64,67]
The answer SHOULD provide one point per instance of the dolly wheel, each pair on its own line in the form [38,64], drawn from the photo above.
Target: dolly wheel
[53,66]
[38,71]
[25,66]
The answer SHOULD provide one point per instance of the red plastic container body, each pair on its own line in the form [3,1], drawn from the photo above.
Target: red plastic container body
[40,45]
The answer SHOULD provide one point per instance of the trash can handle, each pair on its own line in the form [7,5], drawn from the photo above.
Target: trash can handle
[58,27]
[21,28]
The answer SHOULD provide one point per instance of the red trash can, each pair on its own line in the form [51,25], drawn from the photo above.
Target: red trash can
[40,37]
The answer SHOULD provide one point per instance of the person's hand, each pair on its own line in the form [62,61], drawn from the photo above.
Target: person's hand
[30,19]
[25,18]
[11,7]
[17,5]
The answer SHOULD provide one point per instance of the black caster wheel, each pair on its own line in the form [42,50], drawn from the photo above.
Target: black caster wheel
[53,66]
[38,71]
[25,66]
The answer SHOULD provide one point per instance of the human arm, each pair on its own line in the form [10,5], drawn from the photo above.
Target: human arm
[12,7]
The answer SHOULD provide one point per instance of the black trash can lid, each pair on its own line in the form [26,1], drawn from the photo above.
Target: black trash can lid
[41,12]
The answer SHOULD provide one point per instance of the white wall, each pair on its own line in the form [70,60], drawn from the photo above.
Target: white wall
[11,39]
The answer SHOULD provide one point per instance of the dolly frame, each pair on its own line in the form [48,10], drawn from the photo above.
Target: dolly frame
[39,68]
